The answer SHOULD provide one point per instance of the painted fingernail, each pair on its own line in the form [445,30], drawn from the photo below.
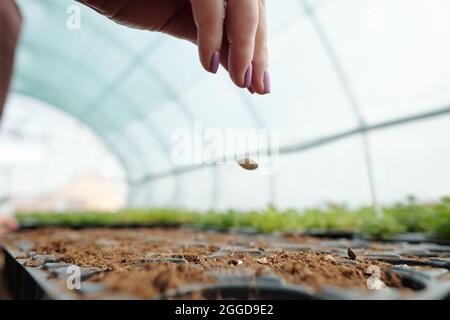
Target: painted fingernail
[251,90]
[248,76]
[266,82]
[215,60]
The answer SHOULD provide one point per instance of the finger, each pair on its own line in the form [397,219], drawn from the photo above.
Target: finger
[242,22]
[209,17]
[261,77]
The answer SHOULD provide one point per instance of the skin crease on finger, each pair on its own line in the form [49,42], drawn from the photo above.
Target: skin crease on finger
[176,18]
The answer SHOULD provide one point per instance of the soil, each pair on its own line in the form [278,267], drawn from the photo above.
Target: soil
[305,268]
[146,262]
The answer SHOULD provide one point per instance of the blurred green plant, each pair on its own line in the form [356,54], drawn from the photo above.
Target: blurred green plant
[408,216]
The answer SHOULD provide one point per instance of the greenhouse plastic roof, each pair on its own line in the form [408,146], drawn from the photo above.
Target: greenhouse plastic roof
[351,80]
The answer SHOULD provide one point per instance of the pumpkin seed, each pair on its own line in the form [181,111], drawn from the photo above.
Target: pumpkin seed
[248,164]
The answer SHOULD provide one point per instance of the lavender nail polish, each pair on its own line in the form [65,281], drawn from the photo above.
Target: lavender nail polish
[266,82]
[215,60]
[248,76]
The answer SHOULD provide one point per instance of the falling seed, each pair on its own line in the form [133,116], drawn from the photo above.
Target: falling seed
[351,254]
[248,164]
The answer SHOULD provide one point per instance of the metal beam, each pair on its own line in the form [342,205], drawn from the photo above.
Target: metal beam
[351,97]
[122,161]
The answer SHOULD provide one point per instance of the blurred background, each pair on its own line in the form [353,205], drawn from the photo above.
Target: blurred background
[361,99]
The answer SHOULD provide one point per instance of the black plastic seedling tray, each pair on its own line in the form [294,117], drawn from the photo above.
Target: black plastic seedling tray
[27,283]
[47,281]
[21,283]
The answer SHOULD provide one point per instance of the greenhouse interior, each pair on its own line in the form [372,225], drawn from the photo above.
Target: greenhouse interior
[129,172]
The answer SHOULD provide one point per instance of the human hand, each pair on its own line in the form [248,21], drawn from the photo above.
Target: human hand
[230,32]
[10,24]
[7,225]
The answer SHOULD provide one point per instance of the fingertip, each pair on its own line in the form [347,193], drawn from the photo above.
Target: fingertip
[267,83]
[215,62]
[261,79]
[248,78]
[242,79]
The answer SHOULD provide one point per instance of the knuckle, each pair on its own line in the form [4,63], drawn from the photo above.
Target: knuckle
[242,40]
[206,29]
[263,50]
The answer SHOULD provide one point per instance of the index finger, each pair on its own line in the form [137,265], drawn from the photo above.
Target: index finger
[209,17]
[242,23]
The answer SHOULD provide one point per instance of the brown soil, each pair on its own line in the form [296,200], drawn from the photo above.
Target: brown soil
[306,268]
[126,257]
[148,281]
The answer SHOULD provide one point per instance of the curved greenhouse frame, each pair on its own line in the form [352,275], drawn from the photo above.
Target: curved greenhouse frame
[354,78]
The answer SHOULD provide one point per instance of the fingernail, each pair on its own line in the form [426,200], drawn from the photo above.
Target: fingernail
[215,60]
[248,76]
[251,90]
[266,81]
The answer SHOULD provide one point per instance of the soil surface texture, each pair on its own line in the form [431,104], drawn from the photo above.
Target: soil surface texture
[150,263]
